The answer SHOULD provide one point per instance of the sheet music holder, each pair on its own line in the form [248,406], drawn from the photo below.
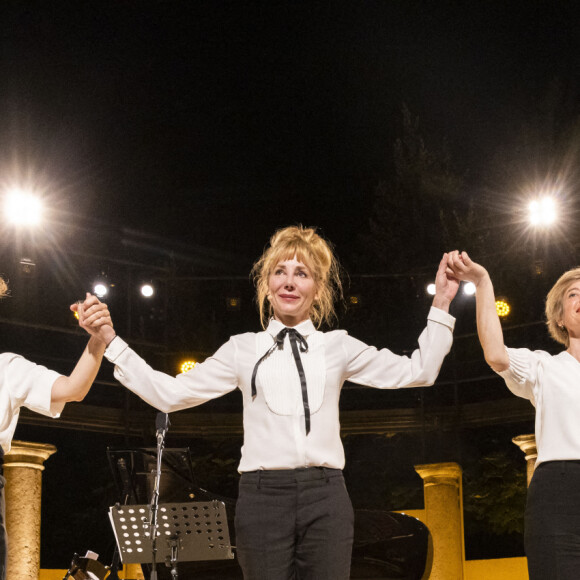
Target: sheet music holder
[192,531]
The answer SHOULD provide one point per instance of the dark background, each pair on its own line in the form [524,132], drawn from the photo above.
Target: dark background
[169,140]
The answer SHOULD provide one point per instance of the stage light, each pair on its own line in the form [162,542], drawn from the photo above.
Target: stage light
[354,300]
[147,290]
[233,302]
[469,288]
[502,307]
[100,290]
[431,289]
[187,365]
[22,208]
[542,211]
[27,266]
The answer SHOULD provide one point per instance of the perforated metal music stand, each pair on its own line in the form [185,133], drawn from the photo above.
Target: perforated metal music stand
[194,530]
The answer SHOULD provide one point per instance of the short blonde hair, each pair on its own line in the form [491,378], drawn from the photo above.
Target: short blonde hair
[3,288]
[317,254]
[555,306]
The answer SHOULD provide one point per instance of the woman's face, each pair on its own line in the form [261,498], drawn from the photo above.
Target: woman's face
[571,309]
[291,291]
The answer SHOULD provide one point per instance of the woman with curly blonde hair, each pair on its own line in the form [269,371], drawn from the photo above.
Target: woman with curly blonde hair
[294,518]
[552,384]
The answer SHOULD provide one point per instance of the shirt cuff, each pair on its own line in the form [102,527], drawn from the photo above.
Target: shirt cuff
[442,317]
[115,349]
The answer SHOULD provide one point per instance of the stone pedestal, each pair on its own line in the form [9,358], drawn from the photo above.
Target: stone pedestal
[444,518]
[527,443]
[133,572]
[23,467]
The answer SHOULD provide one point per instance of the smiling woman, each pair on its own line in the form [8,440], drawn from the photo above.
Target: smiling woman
[562,305]
[551,383]
[299,245]
[294,518]
[292,291]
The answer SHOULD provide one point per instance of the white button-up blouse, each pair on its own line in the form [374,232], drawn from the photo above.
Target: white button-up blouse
[274,426]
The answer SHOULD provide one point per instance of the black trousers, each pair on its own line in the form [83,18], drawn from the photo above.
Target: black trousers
[552,522]
[3,546]
[294,525]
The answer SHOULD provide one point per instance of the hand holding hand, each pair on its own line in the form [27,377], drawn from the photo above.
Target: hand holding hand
[95,318]
[462,267]
[446,285]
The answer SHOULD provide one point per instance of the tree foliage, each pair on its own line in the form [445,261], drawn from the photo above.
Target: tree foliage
[494,493]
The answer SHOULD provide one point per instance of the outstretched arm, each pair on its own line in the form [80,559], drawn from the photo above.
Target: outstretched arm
[488,325]
[77,384]
[208,380]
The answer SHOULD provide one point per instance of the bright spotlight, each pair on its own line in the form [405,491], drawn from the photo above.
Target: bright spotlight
[187,365]
[100,290]
[147,290]
[542,211]
[23,208]
[469,288]
[431,289]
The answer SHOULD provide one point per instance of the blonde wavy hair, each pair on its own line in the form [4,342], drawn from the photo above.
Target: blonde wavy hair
[313,251]
[3,288]
[555,306]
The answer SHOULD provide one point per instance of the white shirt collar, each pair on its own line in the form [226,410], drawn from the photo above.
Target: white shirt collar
[305,328]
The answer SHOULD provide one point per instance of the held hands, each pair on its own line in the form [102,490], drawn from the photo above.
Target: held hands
[95,318]
[462,267]
[446,285]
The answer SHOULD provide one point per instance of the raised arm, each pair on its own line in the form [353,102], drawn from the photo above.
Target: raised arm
[77,384]
[489,329]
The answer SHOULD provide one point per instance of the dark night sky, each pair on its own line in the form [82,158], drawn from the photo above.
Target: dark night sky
[216,122]
[212,123]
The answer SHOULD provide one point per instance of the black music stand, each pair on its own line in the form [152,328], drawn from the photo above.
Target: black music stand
[132,471]
[187,532]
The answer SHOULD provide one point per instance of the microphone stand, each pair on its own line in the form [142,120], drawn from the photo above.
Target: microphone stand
[162,424]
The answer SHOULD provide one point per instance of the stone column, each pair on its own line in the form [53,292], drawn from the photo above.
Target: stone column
[443,491]
[23,467]
[527,443]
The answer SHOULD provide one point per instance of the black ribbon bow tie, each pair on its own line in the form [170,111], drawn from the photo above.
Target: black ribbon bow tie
[298,344]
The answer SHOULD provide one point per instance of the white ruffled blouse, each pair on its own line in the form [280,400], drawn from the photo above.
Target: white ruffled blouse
[552,384]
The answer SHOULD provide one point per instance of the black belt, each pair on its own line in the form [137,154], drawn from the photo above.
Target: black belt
[290,475]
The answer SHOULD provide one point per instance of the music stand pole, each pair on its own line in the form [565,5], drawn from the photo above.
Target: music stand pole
[162,424]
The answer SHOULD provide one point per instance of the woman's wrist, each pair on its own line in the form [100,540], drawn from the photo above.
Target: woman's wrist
[441,302]
[482,279]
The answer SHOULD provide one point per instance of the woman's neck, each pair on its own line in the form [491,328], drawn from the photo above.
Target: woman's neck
[574,347]
[290,322]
